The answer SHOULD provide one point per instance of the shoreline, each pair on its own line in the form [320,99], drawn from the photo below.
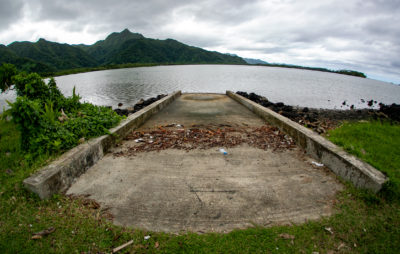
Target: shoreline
[137,65]
[322,120]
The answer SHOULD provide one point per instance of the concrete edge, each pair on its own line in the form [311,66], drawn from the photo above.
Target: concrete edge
[58,176]
[361,174]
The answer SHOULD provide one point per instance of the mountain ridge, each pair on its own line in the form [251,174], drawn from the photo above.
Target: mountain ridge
[122,47]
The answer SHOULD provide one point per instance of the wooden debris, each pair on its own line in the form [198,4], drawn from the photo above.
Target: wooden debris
[122,246]
[264,137]
[42,233]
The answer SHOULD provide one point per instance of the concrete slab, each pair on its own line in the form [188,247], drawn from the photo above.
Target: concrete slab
[203,190]
[206,109]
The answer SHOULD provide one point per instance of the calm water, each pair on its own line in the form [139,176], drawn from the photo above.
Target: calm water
[291,86]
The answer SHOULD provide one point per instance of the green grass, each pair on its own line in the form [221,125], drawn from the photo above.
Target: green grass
[377,143]
[363,222]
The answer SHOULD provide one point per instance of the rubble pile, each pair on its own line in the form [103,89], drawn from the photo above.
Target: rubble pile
[204,137]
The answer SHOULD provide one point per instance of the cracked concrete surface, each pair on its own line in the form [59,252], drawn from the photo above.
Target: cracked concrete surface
[204,190]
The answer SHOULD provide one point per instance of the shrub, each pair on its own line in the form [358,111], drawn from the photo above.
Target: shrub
[49,122]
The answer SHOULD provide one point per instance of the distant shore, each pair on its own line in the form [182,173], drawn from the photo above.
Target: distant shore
[135,65]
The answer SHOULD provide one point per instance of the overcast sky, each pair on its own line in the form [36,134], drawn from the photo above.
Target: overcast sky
[363,35]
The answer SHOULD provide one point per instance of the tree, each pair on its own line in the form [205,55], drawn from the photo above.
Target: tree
[7,72]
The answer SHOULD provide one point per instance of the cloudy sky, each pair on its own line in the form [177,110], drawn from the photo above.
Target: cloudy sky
[363,35]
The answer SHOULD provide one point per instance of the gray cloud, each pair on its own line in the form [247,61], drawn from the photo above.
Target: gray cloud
[10,10]
[358,34]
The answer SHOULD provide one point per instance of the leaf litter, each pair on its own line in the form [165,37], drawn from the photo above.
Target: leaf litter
[205,137]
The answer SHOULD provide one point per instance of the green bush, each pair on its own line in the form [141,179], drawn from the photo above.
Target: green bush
[51,123]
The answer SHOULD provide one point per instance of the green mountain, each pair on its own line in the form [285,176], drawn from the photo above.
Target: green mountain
[60,56]
[104,50]
[26,64]
[6,54]
[118,48]
[127,47]
[166,51]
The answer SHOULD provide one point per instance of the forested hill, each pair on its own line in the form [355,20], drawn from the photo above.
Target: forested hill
[118,48]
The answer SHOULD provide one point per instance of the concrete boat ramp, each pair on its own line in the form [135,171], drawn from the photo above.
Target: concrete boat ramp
[204,190]
[169,174]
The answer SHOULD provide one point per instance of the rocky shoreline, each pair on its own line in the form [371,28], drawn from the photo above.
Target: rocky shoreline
[321,120]
[138,106]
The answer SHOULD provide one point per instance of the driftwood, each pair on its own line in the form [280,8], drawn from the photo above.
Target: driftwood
[122,246]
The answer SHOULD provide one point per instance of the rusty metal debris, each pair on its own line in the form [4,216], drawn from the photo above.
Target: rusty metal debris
[167,137]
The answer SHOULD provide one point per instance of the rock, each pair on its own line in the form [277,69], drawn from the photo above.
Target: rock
[287,108]
[121,112]
[149,101]
[311,118]
[289,114]
[159,97]
[244,94]
[266,103]
[254,97]
[392,111]
[138,106]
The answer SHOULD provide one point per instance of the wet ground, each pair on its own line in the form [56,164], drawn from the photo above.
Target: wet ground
[191,186]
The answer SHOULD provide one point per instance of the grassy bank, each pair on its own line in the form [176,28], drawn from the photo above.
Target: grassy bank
[376,143]
[363,222]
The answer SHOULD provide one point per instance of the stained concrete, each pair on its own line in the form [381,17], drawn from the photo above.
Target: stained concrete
[204,190]
[360,173]
[205,109]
